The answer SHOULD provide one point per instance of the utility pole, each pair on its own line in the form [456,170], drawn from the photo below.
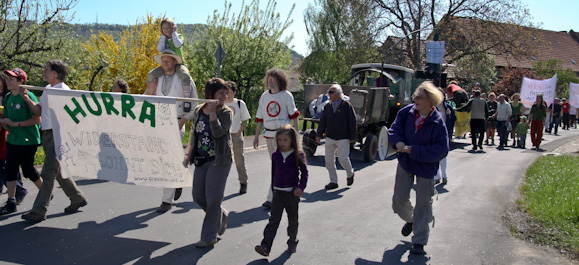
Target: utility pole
[418,40]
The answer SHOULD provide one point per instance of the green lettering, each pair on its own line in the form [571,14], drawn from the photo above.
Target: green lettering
[128,102]
[109,103]
[97,112]
[76,111]
[147,115]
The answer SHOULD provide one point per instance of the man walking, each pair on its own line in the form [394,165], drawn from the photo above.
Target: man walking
[503,116]
[479,113]
[54,73]
[338,121]
[169,85]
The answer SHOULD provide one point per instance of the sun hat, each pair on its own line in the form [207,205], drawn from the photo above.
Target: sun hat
[168,52]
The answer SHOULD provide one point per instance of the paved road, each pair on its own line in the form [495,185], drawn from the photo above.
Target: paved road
[350,225]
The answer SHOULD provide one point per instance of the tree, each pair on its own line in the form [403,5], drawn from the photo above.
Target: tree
[253,42]
[476,68]
[547,69]
[341,33]
[511,81]
[130,57]
[502,25]
[31,32]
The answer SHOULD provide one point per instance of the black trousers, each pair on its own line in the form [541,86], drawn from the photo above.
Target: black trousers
[21,156]
[477,129]
[282,200]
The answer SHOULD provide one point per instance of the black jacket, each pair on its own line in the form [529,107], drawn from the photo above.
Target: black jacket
[339,125]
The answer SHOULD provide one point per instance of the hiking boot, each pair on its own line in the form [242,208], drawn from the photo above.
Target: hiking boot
[9,207]
[243,189]
[204,244]
[73,207]
[178,192]
[262,250]
[292,248]
[350,180]
[407,229]
[223,223]
[164,207]
[417,249]
[332,186]
[33,217]
[267,204]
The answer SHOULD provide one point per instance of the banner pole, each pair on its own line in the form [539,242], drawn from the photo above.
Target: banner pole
[201,100]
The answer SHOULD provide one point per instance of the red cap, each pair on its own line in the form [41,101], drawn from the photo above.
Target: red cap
[17,72]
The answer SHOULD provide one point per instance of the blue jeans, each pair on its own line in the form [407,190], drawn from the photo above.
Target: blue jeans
[20,190]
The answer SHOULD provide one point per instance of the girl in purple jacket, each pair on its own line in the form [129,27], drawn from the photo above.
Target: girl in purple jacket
[421,138]
[288,163]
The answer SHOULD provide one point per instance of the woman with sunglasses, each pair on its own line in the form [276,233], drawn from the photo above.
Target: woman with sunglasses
[420,136]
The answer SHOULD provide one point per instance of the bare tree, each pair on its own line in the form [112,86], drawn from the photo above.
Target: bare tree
[27,30]
[502,25]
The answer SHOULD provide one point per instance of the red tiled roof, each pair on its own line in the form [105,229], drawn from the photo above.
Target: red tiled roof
[560,45]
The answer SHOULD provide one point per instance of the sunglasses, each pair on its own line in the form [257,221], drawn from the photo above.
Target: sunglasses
[419,97]
[331,92]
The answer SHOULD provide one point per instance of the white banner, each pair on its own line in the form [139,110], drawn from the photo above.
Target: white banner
[531,87]
[118,137]
[574,95]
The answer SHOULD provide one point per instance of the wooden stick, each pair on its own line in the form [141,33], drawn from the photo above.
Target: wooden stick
[201,100]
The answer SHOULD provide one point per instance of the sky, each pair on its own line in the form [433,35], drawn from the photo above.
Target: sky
[556,15]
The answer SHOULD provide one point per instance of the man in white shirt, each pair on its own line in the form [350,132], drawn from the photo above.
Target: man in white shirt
[169,85]
[503,115]
[240,114]
[54,73]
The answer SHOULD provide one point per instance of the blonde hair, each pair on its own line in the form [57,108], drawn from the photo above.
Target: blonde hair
[492,94]
[430,91]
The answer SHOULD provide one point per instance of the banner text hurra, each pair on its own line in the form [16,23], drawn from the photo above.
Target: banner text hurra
[106,104]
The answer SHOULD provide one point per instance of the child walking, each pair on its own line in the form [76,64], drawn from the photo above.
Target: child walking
[240,114]
[288,163]
[522,130]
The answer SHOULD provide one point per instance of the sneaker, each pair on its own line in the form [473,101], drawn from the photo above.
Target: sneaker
[9,207]
[350,180]
[224,219]
[407,229]
[267,204]
[480,147]
[417,249]
[243,189]
[262,250]
[33,217]
[73,207]
[204,244]
[164,207]
[487,141]
[178,192]
[332,186]
[444,181]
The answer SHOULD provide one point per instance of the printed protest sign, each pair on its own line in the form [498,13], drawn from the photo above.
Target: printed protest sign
[574,95]
[531,87]
[118,137]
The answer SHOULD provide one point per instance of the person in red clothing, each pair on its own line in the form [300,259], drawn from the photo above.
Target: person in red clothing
[565,106]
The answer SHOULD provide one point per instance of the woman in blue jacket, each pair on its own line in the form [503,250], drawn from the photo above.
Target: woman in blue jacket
[421,138]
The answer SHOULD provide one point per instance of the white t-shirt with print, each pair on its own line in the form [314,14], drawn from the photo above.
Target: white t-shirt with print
[275,110]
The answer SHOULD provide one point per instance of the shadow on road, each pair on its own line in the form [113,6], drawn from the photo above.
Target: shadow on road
[279,260]
[238,219]
[457,145]
[90,243]
[323,195]
[395,256]
[186,255]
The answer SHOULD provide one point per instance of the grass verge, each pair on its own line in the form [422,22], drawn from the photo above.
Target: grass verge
[550,195]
